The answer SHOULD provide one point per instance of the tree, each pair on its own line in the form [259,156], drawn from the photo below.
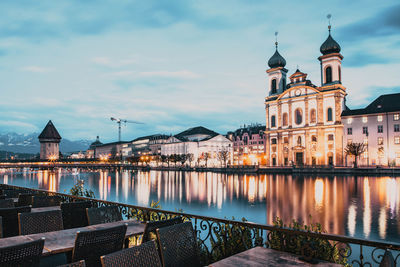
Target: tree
[355,149]
[223,156]
[190,158]
[182,158]
[206,156]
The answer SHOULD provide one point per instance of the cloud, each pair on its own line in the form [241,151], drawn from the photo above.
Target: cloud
[182,74]
[361,59]
[108,62]
[36,69]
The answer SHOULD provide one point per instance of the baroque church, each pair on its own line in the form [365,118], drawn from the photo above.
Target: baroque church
[303,120]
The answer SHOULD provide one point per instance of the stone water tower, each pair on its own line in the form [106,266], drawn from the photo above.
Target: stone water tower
[49,142]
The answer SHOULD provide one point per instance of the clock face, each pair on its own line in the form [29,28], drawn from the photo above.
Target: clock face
[298,92]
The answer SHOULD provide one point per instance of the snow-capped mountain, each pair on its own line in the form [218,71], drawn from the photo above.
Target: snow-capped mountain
[29,143]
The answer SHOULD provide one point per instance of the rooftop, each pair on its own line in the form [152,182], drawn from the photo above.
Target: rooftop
[50,132]
[384,103]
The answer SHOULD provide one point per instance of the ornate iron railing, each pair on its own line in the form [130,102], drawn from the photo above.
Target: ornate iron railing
[220,238]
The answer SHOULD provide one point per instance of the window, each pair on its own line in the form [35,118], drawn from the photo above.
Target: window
[330,137]
[330,114]
[396,117]
[366,141]
[245,140]
[273,121]
[284,84]
[365,130]
[380,118]
[298,116]
[273,141]
[313,116]
[340,74]
[397,140]
[285,119]
[299,141]
[285,140]
[349,120]
[313,138]
[328,75]
[364,119]
[349,131]
[396,128]
[380,140]
[273,86]
[349,141]
[365,154]
[380,128]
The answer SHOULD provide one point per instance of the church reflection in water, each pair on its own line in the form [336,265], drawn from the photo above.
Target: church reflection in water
[367,207]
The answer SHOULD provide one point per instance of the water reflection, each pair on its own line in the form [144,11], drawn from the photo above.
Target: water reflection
[367,207]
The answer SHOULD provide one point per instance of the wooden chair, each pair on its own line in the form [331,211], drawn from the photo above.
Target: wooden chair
[151,227]
[90,245]
[144,255]
[45,201]
[10,220]
[40,222]
[74,214]
[11,193]
[1,227]
[178,245]
[103,215]
[25,199]
[74,264]
[23,255]
[7,203]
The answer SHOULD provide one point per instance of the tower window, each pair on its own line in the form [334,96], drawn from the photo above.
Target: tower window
[298,116]
[328,75]
[340,74]
[313,116]
[273,121]
[330,117]
[285,119]
[273,86]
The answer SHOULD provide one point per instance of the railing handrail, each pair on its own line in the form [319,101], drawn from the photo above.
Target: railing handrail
[333,237]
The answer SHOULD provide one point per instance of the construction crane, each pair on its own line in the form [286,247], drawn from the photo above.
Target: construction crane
[119,120]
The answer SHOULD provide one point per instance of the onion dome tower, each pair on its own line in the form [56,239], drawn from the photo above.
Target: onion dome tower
[331,60]
[276,72]
[49,142]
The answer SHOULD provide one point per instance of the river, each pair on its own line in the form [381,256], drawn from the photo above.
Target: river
[365,207]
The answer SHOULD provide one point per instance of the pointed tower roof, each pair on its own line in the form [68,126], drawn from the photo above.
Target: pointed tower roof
[50,132]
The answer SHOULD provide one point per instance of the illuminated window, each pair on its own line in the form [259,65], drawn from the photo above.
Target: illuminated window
[380,118]
[285,119]
[366,141]
[396,128]
[349,131]
[330,137]
[380,128]
[349,141]
[349,120]
[273,121]
[313,116]
[380,140]
[365,130]
[365,154]
[364,119]
[396,117]
[329,115]
[299,116]
[397,140]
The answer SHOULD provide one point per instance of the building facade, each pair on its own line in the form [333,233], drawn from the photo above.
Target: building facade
[303,120]
[378,127]
[248,145]
[49,140]
[148,145]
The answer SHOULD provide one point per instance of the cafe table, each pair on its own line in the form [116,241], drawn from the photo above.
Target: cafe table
[45,209]
[260,256]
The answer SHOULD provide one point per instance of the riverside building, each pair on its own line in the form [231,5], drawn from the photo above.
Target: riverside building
[303,120]
[49,140]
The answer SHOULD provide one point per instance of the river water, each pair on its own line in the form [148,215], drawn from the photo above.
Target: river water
[365,207]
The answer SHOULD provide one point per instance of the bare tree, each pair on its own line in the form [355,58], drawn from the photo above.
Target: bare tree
[190,158]
[223,156]
[355,149]
[206,156]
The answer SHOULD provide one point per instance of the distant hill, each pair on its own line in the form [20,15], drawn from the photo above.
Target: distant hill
[29,143]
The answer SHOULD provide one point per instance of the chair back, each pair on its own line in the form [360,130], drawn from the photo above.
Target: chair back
[10,219]
[74,214]
[74,264]
[151,227]
[40,222]
[24,255]
[91,245]
[7,203]
[178,245]
[11,193]
[45,201]
[105,214]
[25,199]
[143,255]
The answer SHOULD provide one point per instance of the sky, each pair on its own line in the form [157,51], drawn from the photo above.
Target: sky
[178,64]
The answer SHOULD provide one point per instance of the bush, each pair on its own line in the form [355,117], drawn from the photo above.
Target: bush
[79,190]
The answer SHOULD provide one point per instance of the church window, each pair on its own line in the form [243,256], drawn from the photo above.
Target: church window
[298,116]
[313,138]
[273,121]
[328,75]
[340,74]
[313,116]
[299,141]
[273,86]
[285,140]
[273,141]
[330,117]
[285,119]
[330,137]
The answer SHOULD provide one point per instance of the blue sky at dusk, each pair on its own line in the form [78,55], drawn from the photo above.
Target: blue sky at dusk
[177,64]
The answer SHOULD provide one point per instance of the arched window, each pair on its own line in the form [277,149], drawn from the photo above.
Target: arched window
[273,121]
[340,74]
[313,138]
[329,115]
[328,75]
[299,141]
[313,116]
[299,116]
[285,119]
[273,86]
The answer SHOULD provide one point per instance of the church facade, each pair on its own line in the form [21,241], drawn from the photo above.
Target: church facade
[303,120]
